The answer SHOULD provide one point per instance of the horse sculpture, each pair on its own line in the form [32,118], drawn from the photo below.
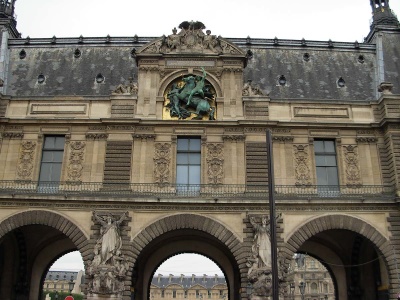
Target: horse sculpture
[193,94]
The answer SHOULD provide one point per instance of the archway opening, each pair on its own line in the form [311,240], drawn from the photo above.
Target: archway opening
[357,267]
[190,276]
[26,254]
[65,276]
[181,241]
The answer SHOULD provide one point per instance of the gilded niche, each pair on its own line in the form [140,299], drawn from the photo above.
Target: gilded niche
[190,97]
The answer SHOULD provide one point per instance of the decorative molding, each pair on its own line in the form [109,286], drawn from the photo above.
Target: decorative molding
[234,138]
[26,160]
[97,136]
[302,165]
[13,135]
[215,162]
[162,161]
[353,176]
[366,139]
[58,109]
[144,137]
[282,138]
[325,112]
[75,161]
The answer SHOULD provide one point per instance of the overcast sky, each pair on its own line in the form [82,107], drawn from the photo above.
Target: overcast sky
[322,20]
[345,21]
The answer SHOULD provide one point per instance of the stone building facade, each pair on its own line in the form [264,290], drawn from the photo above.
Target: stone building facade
[188,287]
[133,149]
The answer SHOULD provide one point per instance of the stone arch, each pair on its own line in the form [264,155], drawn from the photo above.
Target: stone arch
[187,221]
[48,218]
[179,73]
[344,222]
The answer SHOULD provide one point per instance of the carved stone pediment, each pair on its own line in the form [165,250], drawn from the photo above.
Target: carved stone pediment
[191,39]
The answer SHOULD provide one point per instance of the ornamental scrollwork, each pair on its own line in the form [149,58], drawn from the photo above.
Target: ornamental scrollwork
[215,162]
[353,176]
[302,168]
[75,162]
[162,161]
[26,159]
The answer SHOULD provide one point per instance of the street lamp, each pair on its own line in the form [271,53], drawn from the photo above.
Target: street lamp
[302,287]
[292,286]
[56,295]
[71,284]
[326,297]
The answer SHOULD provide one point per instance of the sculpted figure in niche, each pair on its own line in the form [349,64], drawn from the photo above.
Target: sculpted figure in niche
[110,240]
[262,243]
[191,96]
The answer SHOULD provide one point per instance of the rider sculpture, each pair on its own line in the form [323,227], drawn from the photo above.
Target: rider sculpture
[191,98]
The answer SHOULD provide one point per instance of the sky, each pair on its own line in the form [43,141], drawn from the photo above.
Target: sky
[343,21]
[187,264]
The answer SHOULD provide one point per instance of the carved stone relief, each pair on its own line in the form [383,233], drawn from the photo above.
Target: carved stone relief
[250,89]
[75,162]
[353,176]
[108,268]
[215,163]
[130,88]
[26,160]
[302,165]
[162,161]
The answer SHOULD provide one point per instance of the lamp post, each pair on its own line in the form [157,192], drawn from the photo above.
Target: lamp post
[292,286]
[326,297]
[302,287]
[71,284]
[56,295]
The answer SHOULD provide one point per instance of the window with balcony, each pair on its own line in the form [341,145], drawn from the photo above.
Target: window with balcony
[51,163]
[326,165]
[188,164]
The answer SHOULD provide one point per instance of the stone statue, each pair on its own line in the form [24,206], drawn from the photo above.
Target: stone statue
[111,237]
[249,89]
[193,92]
[108,268]
[131,88]
[262,243]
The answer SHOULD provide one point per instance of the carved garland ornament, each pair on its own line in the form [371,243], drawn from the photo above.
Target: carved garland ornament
[215,161]
[162,160]
[26,158]
[75,163]
[353,175]
[302,169]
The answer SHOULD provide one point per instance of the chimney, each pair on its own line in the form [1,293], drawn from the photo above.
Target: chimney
[204,278]
[170,277]
[159,278]
[193,277]
[182,276]
[216,278]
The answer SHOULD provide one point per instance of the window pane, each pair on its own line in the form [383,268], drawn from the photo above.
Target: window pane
[330,146]
[183,144]
[49,142]
[182,175]
[332,176]
[330,160]
[194,174]
[182,159]
[195,145]
[318,146]
[194,158]
[320,160]
[59,142]
[321,176]
[45,172]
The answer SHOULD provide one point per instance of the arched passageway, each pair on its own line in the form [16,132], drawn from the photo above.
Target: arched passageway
[181,234]
[355,252]
[29,243]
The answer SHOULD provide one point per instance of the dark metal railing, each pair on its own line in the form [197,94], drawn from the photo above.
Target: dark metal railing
[213,191]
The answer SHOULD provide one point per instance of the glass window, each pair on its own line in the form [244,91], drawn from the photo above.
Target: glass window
[51,163]
[326,166]
[188,164]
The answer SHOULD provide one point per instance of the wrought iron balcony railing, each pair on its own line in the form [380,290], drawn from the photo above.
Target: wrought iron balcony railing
[212,191]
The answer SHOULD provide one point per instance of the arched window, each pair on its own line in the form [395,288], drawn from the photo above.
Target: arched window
[314,288]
